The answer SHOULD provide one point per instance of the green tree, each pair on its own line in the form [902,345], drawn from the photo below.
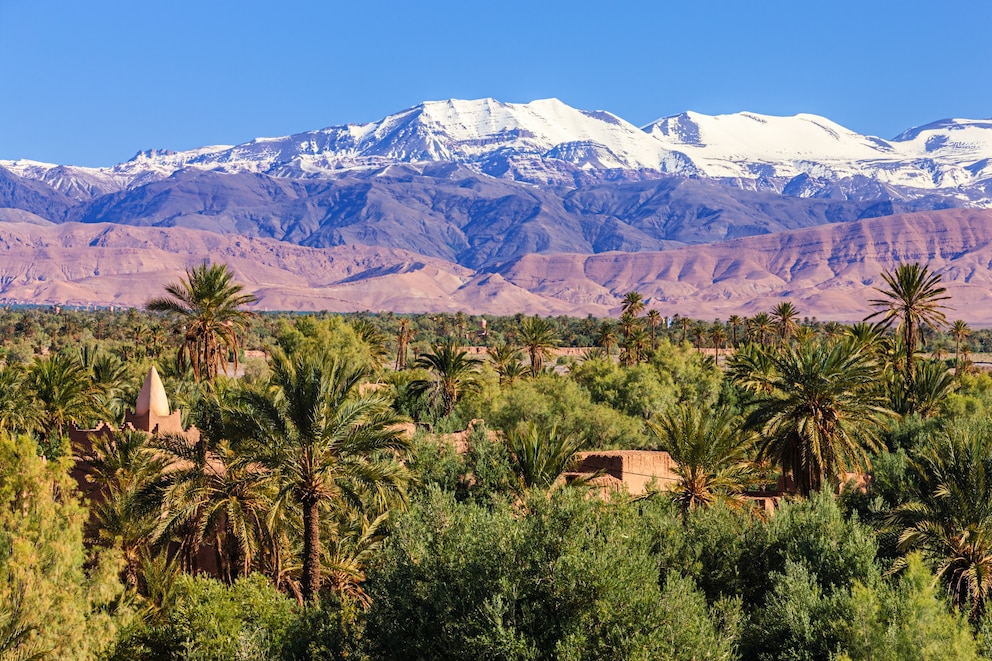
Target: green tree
[124,479]
[960,332]
[914,297]
[537,337]
[761,326]
[632,303]
[452,372]
[950,518]
[784,316]
[711,452]
[735,323]
[818,413]
[323,442]
[56,600]
[507,360]
[65,393]
[216,496]
[208,305]
[541,454]
[654,320]
[718,337]
[606,336]
[18,408]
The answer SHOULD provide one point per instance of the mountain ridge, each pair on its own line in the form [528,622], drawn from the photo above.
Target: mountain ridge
[824,270]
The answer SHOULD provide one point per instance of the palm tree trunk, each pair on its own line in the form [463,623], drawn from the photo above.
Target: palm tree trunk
[311,548]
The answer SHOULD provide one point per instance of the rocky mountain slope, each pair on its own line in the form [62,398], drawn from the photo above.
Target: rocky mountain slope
[826,271]
[538,207]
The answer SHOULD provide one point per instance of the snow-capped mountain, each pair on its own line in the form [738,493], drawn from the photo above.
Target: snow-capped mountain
[943,155]
[547,141]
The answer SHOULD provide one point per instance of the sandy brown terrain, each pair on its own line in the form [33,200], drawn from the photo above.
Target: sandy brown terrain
[827,271]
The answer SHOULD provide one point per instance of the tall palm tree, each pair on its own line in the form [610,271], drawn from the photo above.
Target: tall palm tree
[684,324]
[403,337]
[633,303]
[208,306]
[960,332]
[452,373]
[323,443]
[950,517]
[606,336]
[538,337]
[761,325]
[654,320]
[718,336]
[818,412]
[735,323]
[710,450]
[784,316]
[914,297]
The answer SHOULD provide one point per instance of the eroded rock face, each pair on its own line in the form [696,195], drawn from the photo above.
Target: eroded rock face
[827,271]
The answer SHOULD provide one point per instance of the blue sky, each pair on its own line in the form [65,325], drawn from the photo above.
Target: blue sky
[92,82]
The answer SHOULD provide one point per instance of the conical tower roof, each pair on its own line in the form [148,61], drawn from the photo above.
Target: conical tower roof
[152,397]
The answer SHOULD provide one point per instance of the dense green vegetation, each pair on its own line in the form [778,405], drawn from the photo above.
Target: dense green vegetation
[333,527]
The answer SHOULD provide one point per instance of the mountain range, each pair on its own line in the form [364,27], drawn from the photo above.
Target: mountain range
[495,194]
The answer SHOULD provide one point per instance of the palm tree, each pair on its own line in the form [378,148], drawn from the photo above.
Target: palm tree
[718,336]
[818,413]
[633,346]
[403,337]
[216,496]
[654,320]
[323,443]
[208,306]
[65,393]
[950,519]
[537,336]
[507,360]
[735,322]
[374,341]
[710,450]
[784,317]
[960,332]
[685,323]
[18,409]
[914,297]
[452,372]
[125,478]
[541,454]
[632,303]
[833,330]
[925,394]
[606,336]
[752,368]
[761,325]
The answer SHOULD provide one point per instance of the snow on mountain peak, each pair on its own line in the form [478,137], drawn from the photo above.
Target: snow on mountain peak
[542,140]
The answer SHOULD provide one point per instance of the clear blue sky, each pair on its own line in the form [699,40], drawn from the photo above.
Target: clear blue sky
[91,82]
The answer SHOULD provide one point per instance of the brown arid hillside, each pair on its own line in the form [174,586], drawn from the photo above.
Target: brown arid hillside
[827,271]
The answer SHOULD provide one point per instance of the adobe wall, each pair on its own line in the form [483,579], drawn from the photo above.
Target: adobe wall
[635,469]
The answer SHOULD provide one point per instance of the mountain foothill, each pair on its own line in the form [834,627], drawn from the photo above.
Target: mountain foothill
[490,207]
